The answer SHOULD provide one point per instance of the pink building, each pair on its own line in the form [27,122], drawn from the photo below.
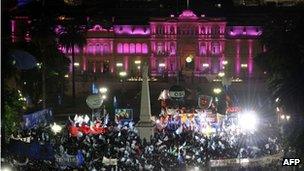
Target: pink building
[195,45]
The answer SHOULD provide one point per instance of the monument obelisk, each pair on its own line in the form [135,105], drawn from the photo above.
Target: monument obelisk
[145,125]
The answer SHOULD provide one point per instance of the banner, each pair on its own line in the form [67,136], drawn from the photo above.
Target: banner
[32,150]
[246,161]
[67,160]
[35,119]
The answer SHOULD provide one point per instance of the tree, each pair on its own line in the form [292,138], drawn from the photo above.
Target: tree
[283,61]
[71,35]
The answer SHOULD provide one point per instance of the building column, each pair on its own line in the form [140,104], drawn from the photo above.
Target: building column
[112,62]
[153,65]
[126,63]
[250,58]
[94,67]
[84,59]
[238,59]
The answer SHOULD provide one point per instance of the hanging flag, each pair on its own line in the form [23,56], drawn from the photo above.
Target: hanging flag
[115,103]
[106,120]
[179,130]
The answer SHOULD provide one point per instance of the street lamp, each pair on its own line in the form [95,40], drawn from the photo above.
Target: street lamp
[225,62]
[123,73]
[103,90]
[221,74]
[217,90]
[104,97]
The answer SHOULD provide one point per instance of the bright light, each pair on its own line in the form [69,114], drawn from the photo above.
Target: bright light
[196,168]
[277,100]
[138,67]
[248,121]
[123,73]
[217,90]
[104,97]
[157,121]
[39,65]
[288,117]
[137,62]
[119,64]
[225,62]
[66,76]
[244,65]
[206,65]
[103,90]
[278,109]
[189,59]
[161,65]
[283,117]
[76,64]
[56,128]
[6,168]
[221,74]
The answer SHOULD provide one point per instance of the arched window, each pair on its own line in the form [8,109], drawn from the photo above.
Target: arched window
[171,30]
[215,48]
[203,30]
[90,48]
[97,47]
[215,31]
[126,48]
[144,48]
[138,48]
[172,48]
[203,50]
[160,48]
[103,49]
[132,48]
[119,48]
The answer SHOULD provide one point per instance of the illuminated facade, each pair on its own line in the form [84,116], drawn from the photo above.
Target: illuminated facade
[190,44]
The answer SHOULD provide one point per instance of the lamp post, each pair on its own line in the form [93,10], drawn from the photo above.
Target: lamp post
[122,75]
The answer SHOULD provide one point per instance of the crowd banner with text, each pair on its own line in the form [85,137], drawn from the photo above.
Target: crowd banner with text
[35,119]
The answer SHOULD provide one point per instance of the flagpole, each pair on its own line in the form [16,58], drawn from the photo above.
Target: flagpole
[187,4]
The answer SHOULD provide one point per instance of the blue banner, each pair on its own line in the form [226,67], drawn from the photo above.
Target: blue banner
[35,119]
[32,150]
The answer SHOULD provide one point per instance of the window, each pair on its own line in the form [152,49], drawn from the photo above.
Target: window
[132,48]
[106,48]
[172,48]
[119,48]
[202,30]
[203,50]
[126,48]
[215,48]
[97,47]
[159,48]
[144,48]
[138,48]
[171,30]
[90,48]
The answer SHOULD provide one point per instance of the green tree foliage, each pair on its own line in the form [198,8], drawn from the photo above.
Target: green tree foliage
[72,34]
[284,61]
[12,110]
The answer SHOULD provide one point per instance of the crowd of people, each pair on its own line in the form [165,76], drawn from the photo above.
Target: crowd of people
[119,146]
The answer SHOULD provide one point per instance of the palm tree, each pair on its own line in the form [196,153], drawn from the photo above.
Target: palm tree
[71,35]
[43,38]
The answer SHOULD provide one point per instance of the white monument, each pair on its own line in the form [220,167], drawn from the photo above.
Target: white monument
[145,125]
